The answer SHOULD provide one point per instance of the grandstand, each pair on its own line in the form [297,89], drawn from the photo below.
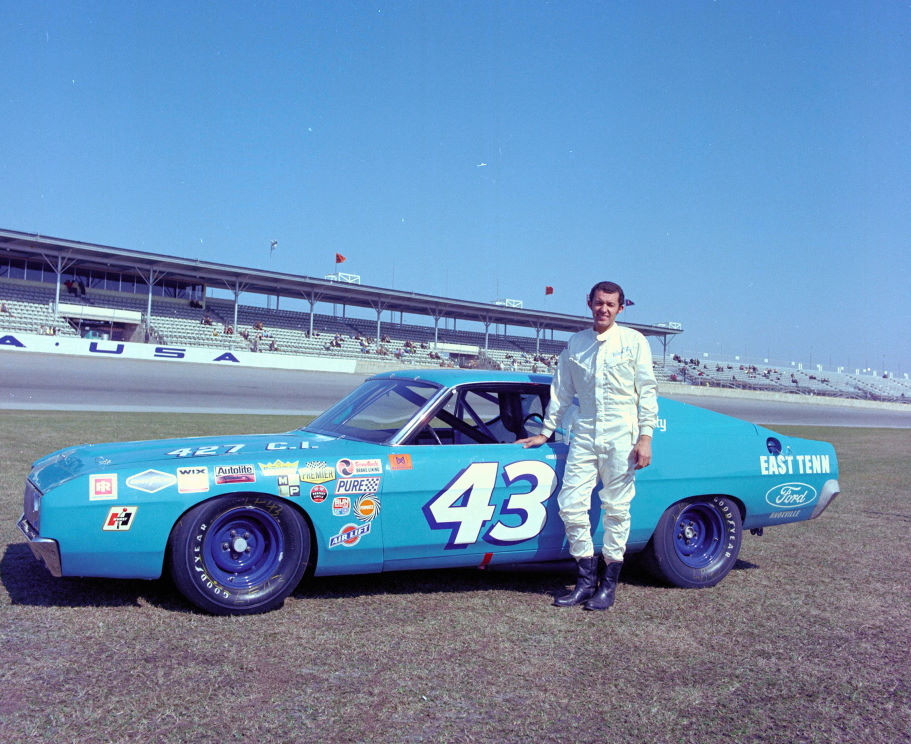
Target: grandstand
[61,287]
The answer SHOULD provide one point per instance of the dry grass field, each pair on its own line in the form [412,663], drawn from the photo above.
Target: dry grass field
[807,640]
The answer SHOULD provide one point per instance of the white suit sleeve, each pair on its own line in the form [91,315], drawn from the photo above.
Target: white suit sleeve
[561,395]
[647,390]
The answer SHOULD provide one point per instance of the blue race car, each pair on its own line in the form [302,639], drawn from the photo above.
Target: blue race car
[412,470]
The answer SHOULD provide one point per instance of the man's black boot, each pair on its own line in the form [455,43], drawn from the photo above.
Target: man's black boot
[585,583]
[607,577]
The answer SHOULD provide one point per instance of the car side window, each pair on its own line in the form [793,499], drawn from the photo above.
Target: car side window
[485,416]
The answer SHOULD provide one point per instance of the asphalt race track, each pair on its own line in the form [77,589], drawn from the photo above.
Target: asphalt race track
[53,382]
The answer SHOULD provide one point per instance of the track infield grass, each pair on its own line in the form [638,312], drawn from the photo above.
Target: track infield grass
[806,640]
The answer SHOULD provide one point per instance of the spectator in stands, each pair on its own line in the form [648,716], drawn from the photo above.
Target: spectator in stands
[5,309]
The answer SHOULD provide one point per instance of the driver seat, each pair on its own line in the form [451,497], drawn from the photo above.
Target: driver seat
[511,414]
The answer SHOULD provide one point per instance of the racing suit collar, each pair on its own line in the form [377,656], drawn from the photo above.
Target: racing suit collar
[604,335]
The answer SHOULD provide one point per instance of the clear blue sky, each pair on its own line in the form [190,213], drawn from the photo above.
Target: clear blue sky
[743,168]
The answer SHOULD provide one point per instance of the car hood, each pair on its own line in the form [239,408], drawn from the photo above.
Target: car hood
[93,459]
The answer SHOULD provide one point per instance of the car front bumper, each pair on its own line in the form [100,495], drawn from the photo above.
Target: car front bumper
[43,548]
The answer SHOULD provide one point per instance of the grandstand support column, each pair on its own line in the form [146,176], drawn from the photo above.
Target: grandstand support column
[312,298]
[486,335]
[236,289]
[151,279]
[379,307]
[58,267]
[437,315]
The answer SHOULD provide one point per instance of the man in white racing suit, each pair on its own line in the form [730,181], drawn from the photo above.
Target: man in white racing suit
[608,370]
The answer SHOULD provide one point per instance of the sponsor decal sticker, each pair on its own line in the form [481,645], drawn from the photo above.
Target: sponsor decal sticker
[289,486]
[353,486]
[120,518]
[400,462]
[785,514]
[794,464]
[791,495]
[151,481]
[366,507]
[277,467]
[318,494]
[316,472]
[341,506]
[102,487]
[348,468]
[349,535]
[193,479]
[234,474]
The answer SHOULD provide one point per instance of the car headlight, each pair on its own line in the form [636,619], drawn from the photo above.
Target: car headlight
[31,504]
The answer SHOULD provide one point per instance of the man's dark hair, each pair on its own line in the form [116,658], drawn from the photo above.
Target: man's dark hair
[610,288]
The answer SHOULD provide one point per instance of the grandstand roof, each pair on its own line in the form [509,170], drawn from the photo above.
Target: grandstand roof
[72,255]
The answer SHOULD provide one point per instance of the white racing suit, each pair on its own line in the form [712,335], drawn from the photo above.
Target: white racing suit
[610,375]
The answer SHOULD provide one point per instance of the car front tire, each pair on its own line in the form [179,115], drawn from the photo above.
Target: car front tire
[239,554]
[696,542]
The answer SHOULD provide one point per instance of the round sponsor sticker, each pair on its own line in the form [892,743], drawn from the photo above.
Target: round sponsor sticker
[367,507]
[318,494]
[353,533]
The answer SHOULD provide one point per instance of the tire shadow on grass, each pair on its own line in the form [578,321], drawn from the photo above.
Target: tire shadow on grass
[28,582]
[545,579]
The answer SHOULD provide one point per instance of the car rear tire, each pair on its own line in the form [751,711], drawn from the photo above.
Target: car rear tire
[696,542]
[239,554]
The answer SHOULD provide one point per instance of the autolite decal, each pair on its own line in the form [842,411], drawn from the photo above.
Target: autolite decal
[234,474]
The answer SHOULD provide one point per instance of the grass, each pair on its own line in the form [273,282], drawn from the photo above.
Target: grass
[805,641]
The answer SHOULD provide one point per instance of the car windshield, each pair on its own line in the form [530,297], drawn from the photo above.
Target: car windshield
[375,411]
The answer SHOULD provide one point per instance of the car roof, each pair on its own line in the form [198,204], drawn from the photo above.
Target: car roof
[448,377]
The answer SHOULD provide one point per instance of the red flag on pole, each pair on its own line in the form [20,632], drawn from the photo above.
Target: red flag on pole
[548,290]
[339,258]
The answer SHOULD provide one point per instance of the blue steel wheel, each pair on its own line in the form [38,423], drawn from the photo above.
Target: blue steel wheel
[239,554]
[696,542]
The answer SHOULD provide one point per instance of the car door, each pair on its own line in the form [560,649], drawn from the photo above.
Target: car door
[461,492]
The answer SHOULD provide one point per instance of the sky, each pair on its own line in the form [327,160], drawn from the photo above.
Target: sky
[740,168]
